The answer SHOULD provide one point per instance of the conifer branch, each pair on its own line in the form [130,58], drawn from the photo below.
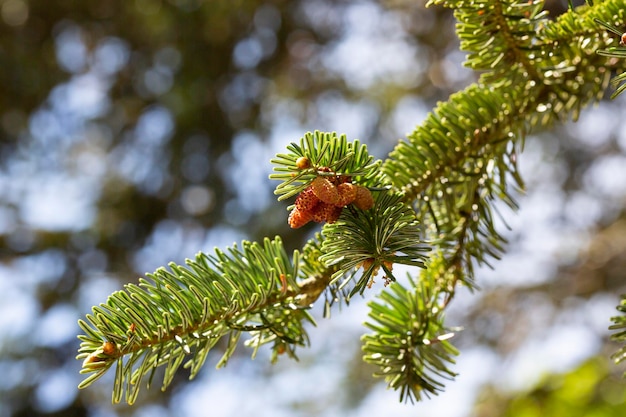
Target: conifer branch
[499,36]
[432,203]
[321,154]
[371,240]
[618,52]
[466,149]
[409,343]
[180,314]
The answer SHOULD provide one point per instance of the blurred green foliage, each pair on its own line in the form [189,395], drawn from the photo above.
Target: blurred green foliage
[592,389]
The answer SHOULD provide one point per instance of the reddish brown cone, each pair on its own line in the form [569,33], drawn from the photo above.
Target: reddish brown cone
[326,213]
[298,218]
[306,200]
[347,193]
[325,190]
[364,199]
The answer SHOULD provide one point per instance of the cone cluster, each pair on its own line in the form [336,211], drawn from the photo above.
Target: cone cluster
[324,199]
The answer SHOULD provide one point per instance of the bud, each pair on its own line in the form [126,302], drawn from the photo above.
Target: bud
[303,163]
[109,348]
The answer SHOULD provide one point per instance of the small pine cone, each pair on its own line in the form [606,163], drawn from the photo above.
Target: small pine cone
[320,212]
[325,190]
[298,218]
[306,200]
[326,213]
[333,215]
[347,193]
[364,199]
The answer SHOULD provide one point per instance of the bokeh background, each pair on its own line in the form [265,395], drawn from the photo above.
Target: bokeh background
[138,132]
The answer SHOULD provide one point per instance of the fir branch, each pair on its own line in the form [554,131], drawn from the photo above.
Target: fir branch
[618,52]
[574,71]
[500,36]
[442,186]
[456,166]
[373,239]
[409,343]
[321,154]
[178,315]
